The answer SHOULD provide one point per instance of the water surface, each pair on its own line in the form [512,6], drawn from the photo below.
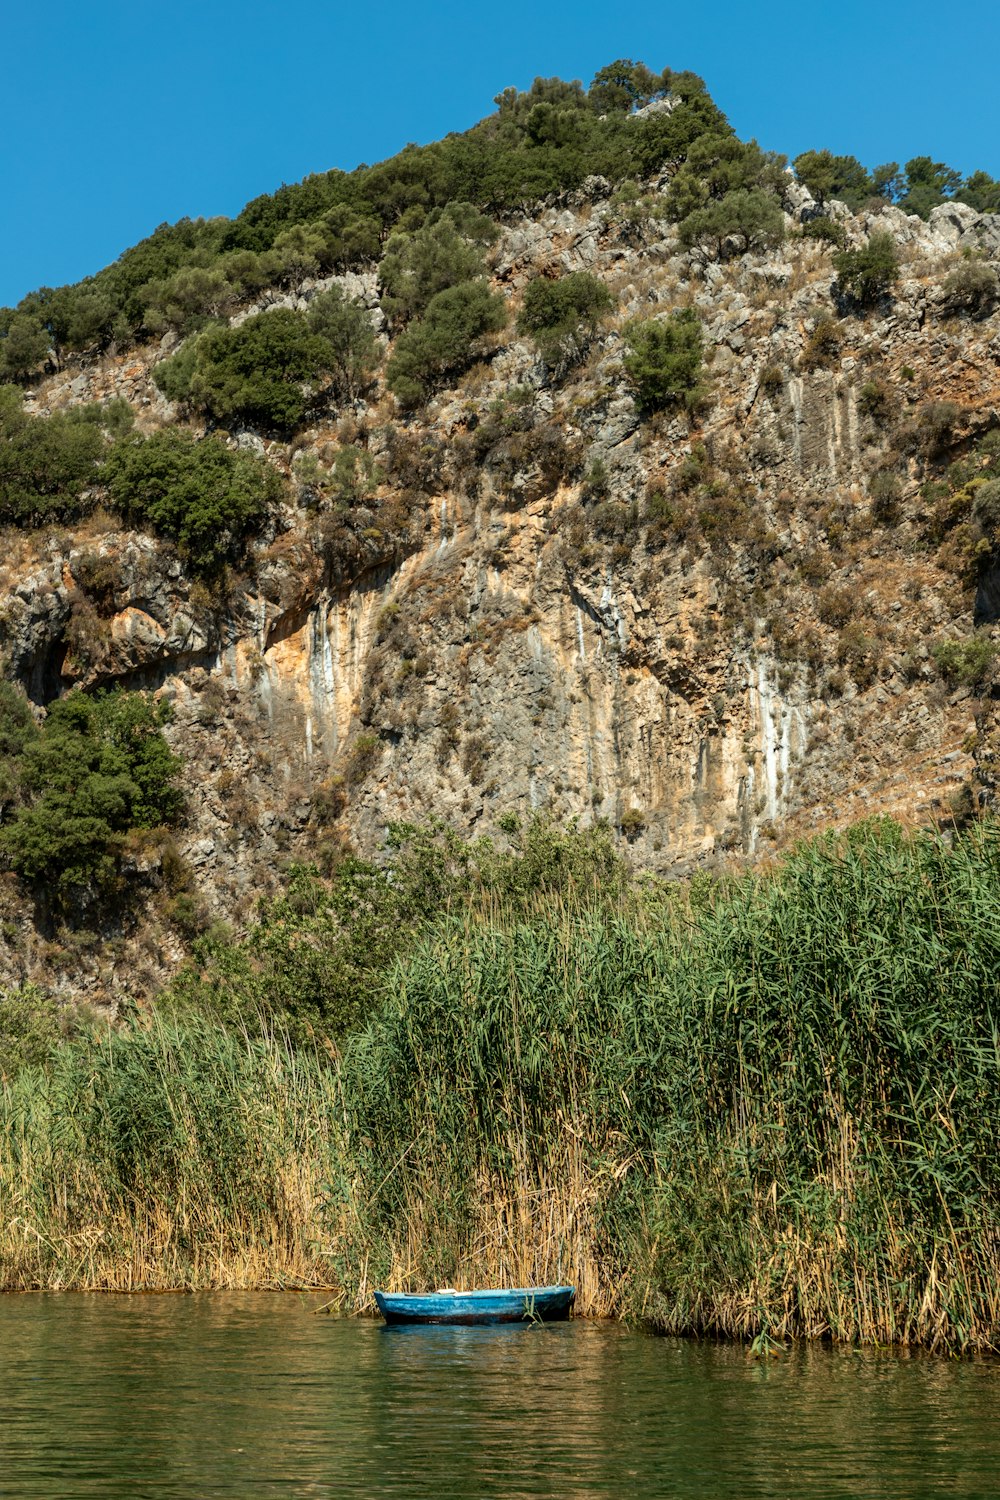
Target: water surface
[253,1396]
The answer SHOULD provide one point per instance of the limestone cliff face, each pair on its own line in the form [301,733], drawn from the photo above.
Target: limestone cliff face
[705,632]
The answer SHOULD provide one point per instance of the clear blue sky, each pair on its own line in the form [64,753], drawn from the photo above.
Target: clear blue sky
[120,114]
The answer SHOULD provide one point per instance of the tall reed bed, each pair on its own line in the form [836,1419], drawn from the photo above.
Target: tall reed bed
[776,1109]
[167,1156]
[768,1104]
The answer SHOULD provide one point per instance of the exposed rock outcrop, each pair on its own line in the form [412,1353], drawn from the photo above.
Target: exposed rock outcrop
[704,631]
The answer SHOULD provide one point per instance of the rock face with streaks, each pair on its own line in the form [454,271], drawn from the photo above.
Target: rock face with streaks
[708,631]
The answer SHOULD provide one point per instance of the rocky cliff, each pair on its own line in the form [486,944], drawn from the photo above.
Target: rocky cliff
[717,632]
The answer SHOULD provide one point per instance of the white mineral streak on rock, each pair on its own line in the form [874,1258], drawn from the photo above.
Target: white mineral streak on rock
[782,729]
[795,396]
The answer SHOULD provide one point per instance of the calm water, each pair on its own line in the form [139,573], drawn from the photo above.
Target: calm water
[253,1396]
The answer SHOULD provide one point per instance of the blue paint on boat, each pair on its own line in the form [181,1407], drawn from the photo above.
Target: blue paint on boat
[514,1305]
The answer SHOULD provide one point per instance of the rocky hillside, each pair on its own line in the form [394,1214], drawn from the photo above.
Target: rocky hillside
[718,625]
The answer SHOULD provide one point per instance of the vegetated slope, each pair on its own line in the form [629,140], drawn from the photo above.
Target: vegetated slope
[589,463]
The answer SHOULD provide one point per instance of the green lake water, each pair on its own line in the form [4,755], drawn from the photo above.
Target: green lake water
[252,1395]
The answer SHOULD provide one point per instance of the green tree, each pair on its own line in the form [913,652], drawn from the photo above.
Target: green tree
[199,494]
[24,345]
[827,176]
[928,183]
[48,465]
[623,85]
[267,373]
[664,363]
[887,181]
[352,238]
[446,339]
[973,287]
[97,768]
[869,273]
[555,311]
[752,220]
[982,192]
[347,329]
[444,252]
[186,300]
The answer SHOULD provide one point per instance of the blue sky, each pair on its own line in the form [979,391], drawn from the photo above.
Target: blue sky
[120,115]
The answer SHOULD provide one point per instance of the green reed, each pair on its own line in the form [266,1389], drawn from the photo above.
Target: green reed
[776,1106]
[166,1156]
[763,1107]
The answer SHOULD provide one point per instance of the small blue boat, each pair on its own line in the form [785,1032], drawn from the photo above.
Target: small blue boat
[517,1305]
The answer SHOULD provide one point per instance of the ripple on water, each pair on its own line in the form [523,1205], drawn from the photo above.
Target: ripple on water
[249,1396]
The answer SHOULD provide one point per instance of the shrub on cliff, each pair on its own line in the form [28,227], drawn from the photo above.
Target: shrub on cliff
[445,340]
[827,176]
[266,373]
[199,494]
[354,350]
[188,299]
[97,768]
[556,311]
[24,347]
[867,274]
[448,249]
[48,465]
[665,360]
[972,288]
[746,219]
[717,164]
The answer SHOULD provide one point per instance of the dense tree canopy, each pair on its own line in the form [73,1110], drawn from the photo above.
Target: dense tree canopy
[48,465]
[447,338]
[445,250]
[200,494]
[267,372]
[73,788]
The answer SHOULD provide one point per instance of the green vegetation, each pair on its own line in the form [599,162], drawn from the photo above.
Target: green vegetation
[24,346]
[547,139]
[964,504]
[276,368]
[965,663]
[319,959]
[665,360]
[265,373]
[743,219]
[49,465]
[972,288]
[73,789]
[827,230]
[556,312]
[827,176]
[446,339]
[922,185]
[444,251]
[869,273]
[761,1103]
[200,494]
[354,353]
[166,1156]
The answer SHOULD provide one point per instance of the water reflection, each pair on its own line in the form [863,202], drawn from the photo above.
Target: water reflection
[253,1396]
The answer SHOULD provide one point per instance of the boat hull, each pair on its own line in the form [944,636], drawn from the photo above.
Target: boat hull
[517,1305]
